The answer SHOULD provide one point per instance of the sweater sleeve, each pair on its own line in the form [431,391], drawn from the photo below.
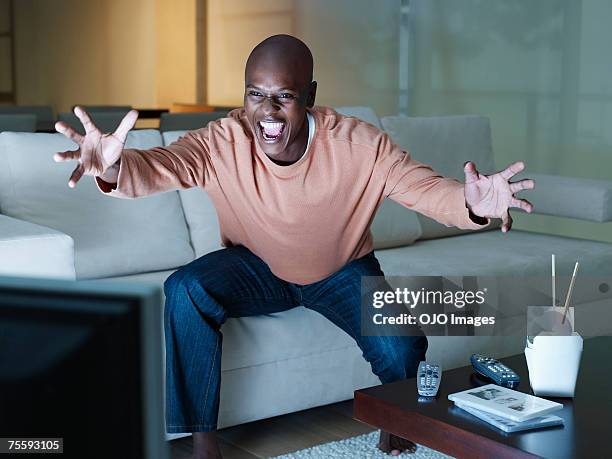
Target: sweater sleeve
[418,187]
[185,163]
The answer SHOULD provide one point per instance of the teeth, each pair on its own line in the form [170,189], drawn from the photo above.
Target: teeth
[270,125]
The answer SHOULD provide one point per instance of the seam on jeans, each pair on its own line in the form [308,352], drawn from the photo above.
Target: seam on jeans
[212,369]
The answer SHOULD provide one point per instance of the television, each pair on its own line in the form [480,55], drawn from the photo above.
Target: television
[82,361]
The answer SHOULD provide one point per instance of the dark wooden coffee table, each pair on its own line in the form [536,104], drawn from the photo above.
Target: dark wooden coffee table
[440,425]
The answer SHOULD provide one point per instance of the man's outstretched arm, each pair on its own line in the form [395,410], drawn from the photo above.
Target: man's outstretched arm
[131,173]
[449,201]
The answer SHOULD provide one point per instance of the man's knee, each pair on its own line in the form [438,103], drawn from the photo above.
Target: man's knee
[176,290]
[171,284]
[177,283]
[187,298]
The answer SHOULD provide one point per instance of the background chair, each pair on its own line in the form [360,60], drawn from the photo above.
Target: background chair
[43,113]
[18,123]
[187,121]
[105,121]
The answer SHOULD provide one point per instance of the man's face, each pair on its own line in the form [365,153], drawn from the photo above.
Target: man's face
[275,101]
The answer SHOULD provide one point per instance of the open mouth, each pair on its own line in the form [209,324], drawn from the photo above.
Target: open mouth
[271,131]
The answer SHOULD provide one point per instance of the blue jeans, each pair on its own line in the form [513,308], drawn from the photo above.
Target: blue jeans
[233,282]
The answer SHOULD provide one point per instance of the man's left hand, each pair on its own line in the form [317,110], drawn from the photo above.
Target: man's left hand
[491,196]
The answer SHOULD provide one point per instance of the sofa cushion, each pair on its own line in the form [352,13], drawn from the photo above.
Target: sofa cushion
[445,143]
[495,253]
[202,221]
[572,197]
[170,122]
[29,250]
[172,136]
[363,113]
[199,211]
[394,226]
[112,236]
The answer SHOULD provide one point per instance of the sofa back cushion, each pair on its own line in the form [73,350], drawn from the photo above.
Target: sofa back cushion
[112,236]
[169,122]
[200,213]
[363,113]
[393,225]
[445,143]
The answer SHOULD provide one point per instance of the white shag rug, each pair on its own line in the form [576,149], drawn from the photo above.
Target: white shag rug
[360,447]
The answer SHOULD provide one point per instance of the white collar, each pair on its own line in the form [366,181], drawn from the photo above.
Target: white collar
[311,128]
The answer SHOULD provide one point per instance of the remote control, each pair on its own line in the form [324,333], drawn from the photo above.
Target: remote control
[499,373]
[428,379]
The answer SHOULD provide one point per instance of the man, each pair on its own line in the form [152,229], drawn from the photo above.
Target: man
[295,188]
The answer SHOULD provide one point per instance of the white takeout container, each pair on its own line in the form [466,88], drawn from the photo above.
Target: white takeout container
[553,363]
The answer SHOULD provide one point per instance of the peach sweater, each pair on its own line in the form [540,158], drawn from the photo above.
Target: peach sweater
[305,220]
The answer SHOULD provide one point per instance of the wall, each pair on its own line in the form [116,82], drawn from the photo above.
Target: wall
[355,44]
[176,52]
[233,29]
[136,52]
[342,35]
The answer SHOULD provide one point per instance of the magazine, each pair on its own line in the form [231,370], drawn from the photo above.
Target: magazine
[504,402]
[507,425]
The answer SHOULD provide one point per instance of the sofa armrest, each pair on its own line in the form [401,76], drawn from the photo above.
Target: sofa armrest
[581,198]
[30,250]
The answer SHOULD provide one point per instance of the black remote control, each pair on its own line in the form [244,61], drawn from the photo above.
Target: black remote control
[499,373]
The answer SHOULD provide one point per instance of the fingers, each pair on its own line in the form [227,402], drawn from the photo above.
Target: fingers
[526,184]
[471,174]
[85,120]
[76,176]
[522,204]
[73,135]
[512,169]
[66,156]
[506,222]
[127,123]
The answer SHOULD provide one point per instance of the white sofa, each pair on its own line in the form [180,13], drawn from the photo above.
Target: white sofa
[279,363]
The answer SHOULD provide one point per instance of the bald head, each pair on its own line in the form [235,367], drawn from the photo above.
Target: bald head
[278,91]
[282,54]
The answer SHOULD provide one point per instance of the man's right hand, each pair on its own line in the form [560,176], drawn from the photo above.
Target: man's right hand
[98,153]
